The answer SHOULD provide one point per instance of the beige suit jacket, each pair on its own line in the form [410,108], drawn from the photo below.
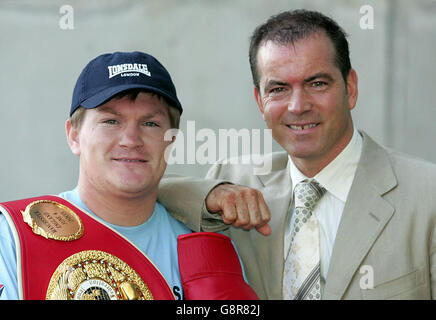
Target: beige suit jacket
[385,247]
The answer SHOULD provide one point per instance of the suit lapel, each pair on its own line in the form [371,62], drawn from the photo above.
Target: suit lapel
[363,219]
[277,194]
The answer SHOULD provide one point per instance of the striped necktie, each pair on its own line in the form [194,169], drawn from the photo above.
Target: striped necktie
[302,271]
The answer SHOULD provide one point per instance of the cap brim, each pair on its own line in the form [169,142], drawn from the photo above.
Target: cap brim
[105,95]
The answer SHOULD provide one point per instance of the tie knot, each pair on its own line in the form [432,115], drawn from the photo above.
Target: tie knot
[307,194]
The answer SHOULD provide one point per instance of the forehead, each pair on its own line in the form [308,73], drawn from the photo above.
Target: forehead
[143,102]
[313,54]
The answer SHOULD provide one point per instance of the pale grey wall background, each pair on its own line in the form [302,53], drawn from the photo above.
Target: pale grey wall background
[204,45]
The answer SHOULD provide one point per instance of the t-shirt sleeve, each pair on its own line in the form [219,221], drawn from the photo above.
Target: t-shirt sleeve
[8,262]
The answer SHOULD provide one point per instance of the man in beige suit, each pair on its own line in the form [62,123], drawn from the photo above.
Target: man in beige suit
[378,215]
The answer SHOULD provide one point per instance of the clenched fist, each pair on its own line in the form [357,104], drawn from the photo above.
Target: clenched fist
[240,206]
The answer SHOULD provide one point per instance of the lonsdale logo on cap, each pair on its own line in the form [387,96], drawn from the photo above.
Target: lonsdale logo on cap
[128,70]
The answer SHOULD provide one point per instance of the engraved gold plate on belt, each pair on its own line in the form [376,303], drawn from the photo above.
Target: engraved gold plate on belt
[96,275]
[53,220]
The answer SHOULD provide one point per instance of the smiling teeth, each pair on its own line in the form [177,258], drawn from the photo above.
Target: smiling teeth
[307,126]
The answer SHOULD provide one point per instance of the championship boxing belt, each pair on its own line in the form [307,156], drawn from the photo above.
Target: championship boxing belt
[64,252]
[210,268]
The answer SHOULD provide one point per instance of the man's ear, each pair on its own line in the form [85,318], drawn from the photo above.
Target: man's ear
[352,88]
[259,101]
[72,137]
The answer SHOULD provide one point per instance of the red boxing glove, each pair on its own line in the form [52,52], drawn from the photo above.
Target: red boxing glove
[210,268]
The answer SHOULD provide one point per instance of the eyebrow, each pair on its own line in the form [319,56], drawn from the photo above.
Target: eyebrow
[155,113]
[108,110]
[323,75]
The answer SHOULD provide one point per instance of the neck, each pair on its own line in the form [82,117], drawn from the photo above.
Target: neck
[120,209]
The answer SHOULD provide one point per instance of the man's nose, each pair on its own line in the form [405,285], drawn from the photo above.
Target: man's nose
[131,136]
[299,102]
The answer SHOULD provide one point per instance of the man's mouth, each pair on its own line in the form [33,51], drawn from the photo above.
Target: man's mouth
[302,126]
[128,160]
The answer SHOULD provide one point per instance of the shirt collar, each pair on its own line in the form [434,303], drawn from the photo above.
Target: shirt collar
[338,175]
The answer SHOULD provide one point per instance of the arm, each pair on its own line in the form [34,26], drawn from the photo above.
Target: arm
[184,198]
[214,204]
[8,263]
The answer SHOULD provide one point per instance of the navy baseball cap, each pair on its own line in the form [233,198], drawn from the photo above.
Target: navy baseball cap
[112,73]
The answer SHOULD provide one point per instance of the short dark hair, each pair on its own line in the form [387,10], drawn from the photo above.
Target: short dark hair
[291,26]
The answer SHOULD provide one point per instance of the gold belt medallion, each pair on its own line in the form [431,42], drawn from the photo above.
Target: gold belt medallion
[53,220]
[96,275]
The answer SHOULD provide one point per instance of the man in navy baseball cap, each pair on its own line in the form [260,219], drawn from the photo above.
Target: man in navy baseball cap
[123,104]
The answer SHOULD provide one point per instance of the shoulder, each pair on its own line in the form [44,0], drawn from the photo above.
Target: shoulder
[8,264]
[71,195]
[250,165]
[412,163]
[418,174]
[167,220]
[412,174]
[6,235]
[409,166]
[7,240]
[403,165]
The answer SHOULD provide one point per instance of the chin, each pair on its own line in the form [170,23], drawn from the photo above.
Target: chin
[302,153]
[134,191]
[132,185]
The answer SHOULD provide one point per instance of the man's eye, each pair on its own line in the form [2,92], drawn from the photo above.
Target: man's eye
[110,121]
[319,84]
[151,124]
[277,90]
